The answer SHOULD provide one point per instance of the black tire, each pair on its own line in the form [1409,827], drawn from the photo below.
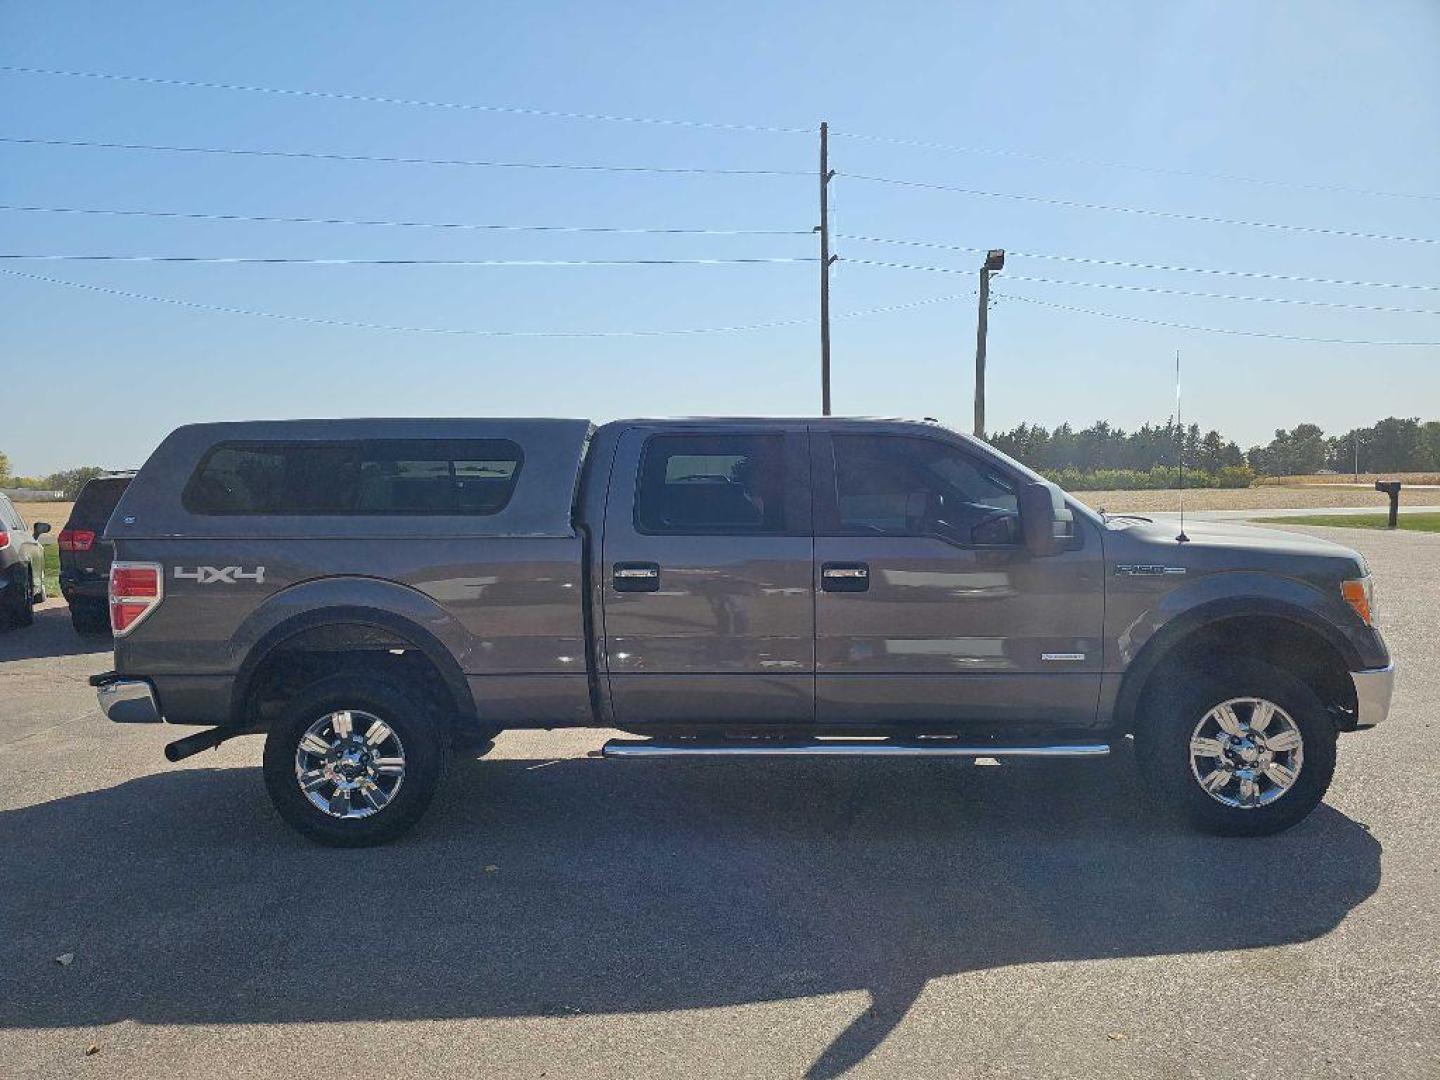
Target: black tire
[1162,744]
[23,589]
[410,715]
[90,617]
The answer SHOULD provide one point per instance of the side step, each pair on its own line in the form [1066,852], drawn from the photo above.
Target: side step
[840,748]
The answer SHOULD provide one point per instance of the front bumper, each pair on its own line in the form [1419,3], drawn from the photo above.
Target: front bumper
[1372,694]
[126,701]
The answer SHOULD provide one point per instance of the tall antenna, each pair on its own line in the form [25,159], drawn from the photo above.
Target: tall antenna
[1180,450]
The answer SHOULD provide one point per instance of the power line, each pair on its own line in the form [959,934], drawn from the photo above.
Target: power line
[667,231]
[352,325]
[1173,215]
[1215,329]
[1023,155]
[1158,289]
[347,324]
[273,218]
[1154,289]
[258,260]
[376,99]
[390,160]
[560,114]
[1165,267]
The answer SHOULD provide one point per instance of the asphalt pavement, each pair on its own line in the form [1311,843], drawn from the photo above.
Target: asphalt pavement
[557,915]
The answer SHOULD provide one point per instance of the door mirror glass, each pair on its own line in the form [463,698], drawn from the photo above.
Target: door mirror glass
[1000,530]
[1046,522]
[41,528]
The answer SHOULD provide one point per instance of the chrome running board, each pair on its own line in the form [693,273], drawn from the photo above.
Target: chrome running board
[937,747]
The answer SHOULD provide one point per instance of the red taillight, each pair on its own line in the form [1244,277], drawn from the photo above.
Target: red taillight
[136,589]
[4,539]
[76,539]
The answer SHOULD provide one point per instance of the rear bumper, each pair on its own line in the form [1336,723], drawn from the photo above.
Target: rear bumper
[126,701]
[1373,689]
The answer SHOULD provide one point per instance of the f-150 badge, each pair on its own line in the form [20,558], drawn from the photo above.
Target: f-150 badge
[221,575]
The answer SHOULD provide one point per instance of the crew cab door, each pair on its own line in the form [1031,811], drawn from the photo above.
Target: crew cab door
[708,604]
[930,612]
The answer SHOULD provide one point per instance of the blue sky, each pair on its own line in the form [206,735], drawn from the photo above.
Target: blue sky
[1316,92]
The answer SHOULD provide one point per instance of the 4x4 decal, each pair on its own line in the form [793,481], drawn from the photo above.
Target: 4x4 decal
[222,575]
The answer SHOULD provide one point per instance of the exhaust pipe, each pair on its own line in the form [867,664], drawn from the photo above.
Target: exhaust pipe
[193,744]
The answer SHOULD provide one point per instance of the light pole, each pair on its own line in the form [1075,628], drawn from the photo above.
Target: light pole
[994,262]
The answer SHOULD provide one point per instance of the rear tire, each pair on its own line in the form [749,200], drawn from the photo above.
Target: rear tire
[376,771]
[1205,763]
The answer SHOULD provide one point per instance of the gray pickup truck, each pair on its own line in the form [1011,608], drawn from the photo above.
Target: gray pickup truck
[370,594]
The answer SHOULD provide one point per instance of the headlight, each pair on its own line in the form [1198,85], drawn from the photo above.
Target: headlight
[1359,593]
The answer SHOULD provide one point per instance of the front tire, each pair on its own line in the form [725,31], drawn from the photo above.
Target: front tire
[1240,748]
[351,762]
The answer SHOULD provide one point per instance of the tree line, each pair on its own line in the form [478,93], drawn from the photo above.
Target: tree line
[1392,445]
[1104,456]
[67,481]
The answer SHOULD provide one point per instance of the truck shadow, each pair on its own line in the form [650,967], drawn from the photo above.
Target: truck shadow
[588,887]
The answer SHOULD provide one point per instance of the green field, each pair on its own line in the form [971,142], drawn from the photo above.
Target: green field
[52,570]
[1413,522]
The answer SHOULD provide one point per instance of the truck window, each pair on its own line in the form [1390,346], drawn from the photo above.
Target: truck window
[373,477]
[914,487]
[712,484]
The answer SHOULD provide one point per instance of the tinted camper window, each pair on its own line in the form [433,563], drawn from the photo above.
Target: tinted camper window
[371,477]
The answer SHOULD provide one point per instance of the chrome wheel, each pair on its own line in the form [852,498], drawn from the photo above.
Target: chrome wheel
[350,764]
[1246,752]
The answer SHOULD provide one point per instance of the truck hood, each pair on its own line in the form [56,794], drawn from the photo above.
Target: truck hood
[1223,545]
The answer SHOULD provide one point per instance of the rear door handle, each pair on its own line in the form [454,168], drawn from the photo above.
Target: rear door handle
[636,577]
[845,577]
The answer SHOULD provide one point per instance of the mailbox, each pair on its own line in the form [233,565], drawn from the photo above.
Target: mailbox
[1391,488]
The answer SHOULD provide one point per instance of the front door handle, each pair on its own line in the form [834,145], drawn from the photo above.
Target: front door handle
[845,577]
[636,577]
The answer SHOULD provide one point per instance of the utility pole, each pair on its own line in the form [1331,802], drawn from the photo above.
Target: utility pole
[826,175]
[994,261]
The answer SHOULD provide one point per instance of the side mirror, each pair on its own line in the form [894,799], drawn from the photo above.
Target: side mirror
[41,528]
[1045,520]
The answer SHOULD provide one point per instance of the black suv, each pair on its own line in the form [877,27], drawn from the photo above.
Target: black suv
[85,558]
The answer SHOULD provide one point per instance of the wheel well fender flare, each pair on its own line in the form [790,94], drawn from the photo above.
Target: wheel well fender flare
[352,615]
[1174,635]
